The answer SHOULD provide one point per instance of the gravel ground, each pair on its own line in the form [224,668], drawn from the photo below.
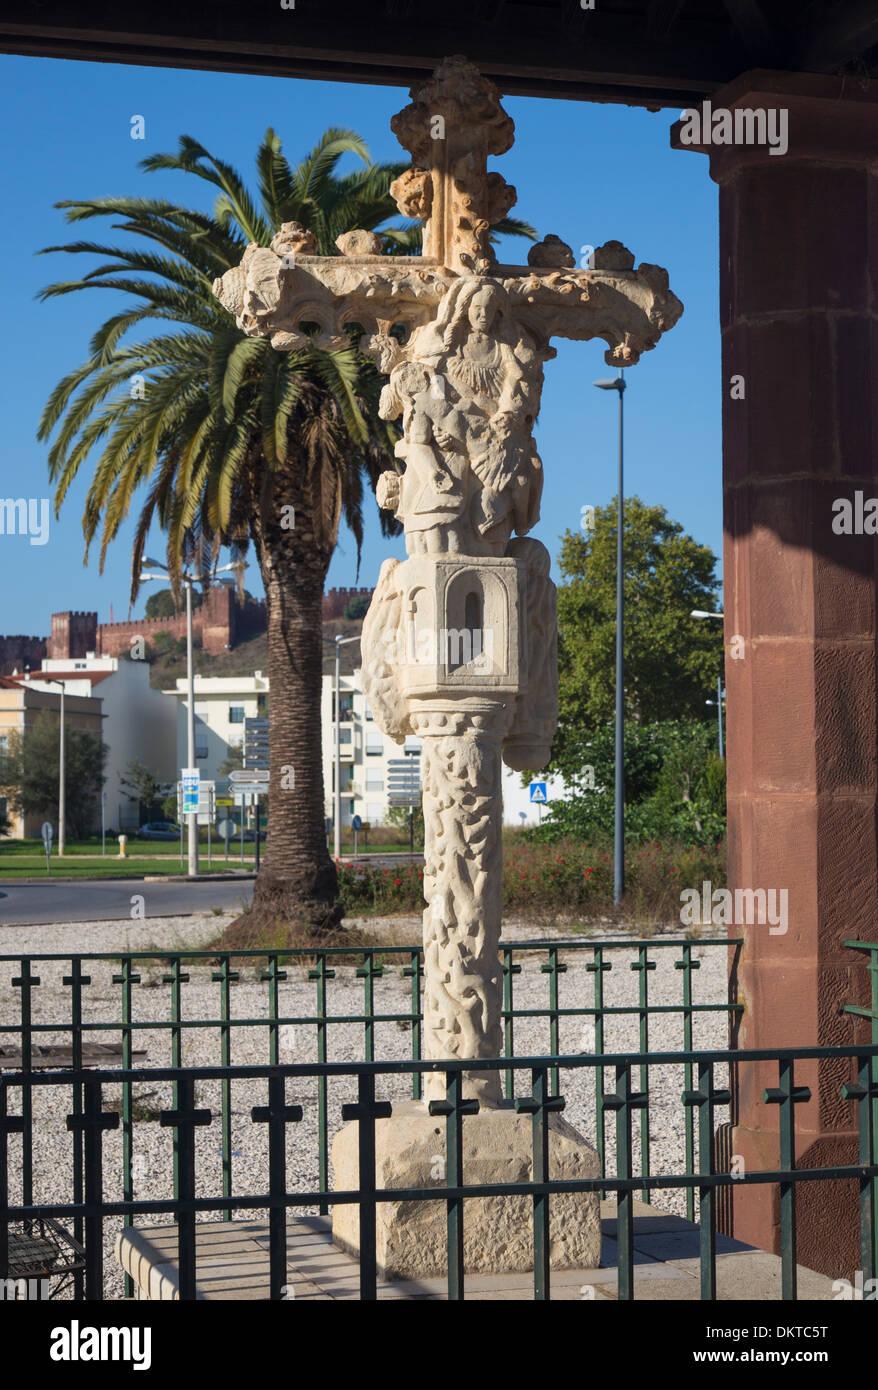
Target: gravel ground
[153,1155]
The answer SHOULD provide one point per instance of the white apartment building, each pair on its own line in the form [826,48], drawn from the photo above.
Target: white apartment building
[365,753]
[138,723]
[367,757]
[222,703]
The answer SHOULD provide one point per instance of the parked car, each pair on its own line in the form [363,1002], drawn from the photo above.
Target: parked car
[159,830]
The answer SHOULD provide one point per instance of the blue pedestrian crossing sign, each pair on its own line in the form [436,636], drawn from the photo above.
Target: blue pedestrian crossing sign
[538,791]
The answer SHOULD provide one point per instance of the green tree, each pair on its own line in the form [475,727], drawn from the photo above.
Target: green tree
[398,816]
[674,785]
[356,607]
[233,761]
[140,784]
[163,604]
[31,772]
[671,659]
[231,439]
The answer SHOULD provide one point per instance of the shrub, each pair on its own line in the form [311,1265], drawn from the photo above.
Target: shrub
[569,878]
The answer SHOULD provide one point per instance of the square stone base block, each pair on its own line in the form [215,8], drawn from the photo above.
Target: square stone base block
[498,1231]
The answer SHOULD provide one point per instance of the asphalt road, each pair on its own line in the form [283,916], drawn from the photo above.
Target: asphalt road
[109,900]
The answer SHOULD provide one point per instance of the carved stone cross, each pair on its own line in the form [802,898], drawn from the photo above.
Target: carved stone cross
[459,644]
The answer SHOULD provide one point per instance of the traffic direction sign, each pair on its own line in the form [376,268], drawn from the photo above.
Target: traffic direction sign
[256,743]
[403,782]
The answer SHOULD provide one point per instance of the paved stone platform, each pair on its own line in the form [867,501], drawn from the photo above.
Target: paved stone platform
[232,1263]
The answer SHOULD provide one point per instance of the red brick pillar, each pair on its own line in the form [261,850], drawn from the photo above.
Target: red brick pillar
[799,317]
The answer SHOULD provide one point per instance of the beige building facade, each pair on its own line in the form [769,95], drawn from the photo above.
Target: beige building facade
[20,706]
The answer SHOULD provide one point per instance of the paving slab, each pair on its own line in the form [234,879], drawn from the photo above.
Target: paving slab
[232,1263]
[755,1275]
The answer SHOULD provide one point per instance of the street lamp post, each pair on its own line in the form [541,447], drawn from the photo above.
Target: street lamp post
[190,729]
[701,613]
[719,711]
[61,775]
[188,581]
[618,384]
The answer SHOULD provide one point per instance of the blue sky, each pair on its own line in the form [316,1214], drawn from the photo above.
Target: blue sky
[584,171]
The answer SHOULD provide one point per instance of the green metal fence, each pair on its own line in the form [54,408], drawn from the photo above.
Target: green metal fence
[89,1121]
[134,979]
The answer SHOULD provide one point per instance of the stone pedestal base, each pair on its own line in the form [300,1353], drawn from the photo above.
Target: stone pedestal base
[498,1231]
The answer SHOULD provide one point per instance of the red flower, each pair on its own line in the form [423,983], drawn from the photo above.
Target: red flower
[397,882]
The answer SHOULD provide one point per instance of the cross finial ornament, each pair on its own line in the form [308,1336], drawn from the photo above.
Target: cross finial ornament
[459,643]
[455,121]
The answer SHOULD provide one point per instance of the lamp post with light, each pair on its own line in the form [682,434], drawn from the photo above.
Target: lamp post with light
[62,789]
[720,693]
[618,384]
[153,570]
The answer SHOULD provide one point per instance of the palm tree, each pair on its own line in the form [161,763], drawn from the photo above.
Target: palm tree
[234,442]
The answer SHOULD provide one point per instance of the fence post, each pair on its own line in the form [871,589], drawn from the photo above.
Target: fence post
[126,979]
[705,1099]
[597,968]
[9,1124]
[539,1104]
[510,969]
[184,1119]
[865,1092]
[321,975]
[643,965]
[366,1111]
[75,981]
[454,1107]
[625,1101]
[277,1115]
[687,965]
[369,972]
[787,1095]
[224,977]
[26,982]
[92,1123]
[416,971]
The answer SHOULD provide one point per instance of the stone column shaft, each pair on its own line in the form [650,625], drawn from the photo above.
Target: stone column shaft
[463,887]
[798,283]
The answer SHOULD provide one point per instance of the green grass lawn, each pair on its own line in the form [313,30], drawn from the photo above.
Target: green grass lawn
[144,848]
[163,849]
[20,859]
[32,866]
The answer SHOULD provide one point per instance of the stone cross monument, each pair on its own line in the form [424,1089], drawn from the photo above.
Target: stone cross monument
[459,644]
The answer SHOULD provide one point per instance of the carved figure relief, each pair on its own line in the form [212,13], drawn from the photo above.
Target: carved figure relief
[465,382]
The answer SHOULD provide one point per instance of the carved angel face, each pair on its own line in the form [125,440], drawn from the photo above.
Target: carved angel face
[483,309]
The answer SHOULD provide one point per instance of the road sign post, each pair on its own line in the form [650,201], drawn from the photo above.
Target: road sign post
[356,826]
[250,781]
[47,833]
[226,829]
[404,789]
[538,794]
[256,744]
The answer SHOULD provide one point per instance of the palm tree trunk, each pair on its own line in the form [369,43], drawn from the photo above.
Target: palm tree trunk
[297,883]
